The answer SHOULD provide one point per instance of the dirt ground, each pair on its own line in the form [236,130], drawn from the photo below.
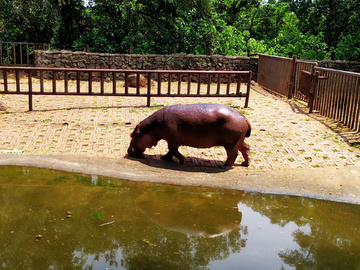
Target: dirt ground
[293,152]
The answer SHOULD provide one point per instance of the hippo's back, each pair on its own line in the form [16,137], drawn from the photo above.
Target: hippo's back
[204,125]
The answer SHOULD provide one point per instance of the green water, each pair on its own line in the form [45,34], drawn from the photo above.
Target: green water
[118,224]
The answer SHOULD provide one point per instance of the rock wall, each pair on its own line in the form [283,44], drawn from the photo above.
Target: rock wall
[352,66]
[67,59]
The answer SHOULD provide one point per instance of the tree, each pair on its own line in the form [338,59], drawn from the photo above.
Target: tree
[330,18]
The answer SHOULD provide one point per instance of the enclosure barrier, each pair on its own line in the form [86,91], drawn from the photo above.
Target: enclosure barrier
[18,53]
[108,84]
[338,95]
[333,93]
[301,65]
[276,74]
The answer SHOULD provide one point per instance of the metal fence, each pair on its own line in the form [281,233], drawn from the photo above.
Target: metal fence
[18,53]
[300,66]
[277,74]
[338,97]
[159,83]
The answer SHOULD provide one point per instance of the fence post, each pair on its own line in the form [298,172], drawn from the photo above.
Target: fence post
[248,90]
[87,48]
[312,93]
[30,90]
[1,60]
[7,51]
[14,53]
[129,50]
[148,90]
[292,78]
[169,51]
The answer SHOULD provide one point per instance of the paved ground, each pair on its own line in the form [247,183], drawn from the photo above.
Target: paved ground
[283,136]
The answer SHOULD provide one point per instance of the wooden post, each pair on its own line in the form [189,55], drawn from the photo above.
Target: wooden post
[292,78]
[148,90]
[14,52]
[313,92]
[248,90]
[30,90]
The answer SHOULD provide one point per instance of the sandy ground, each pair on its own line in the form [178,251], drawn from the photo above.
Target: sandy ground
[293,152]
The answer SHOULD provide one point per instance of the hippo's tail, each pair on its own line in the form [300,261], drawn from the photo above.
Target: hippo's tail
[248,132]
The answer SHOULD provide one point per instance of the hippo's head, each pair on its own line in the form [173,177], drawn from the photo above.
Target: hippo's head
[139,142]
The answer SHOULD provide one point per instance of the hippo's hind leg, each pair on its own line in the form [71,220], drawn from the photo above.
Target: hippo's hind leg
[173,151]
[244,148]
[232,153]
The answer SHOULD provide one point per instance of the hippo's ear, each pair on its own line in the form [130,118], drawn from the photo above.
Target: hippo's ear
[137,129]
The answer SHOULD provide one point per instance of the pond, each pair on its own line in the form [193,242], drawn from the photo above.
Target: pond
[60,220]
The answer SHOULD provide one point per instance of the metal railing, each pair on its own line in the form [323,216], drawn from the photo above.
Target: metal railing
[300,66]
[333,93]
[177,83]
[276,74]
[18,53]
[338,97]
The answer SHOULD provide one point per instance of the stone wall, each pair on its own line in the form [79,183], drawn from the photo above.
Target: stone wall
[352,66]
[67,59]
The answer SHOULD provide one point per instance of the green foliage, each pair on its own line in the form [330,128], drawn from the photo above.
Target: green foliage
[349,47]
[310,29]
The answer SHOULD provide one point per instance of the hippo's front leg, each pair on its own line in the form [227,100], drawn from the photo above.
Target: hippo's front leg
[173,151]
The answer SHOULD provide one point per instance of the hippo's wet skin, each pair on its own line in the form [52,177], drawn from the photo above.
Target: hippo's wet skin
[196,125]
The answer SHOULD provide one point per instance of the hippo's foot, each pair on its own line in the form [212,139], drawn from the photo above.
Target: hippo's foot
[138,155]
[167,158]
[224,167]
[245,164]
[180,157]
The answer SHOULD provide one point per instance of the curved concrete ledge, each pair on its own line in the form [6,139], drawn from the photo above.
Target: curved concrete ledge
[332,183]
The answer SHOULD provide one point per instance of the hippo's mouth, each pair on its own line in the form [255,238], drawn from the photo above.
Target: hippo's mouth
[136,153]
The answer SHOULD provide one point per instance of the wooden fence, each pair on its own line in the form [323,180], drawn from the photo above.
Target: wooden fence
[160,83]
[18,53]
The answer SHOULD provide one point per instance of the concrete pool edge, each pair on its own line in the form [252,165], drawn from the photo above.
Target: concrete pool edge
[331,183]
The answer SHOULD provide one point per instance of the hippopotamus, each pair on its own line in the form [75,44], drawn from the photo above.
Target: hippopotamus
[195,125]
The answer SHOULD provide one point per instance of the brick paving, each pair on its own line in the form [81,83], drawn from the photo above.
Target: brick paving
[283,134]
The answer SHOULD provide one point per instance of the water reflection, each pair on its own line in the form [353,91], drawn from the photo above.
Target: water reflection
[118,224]
[206,214]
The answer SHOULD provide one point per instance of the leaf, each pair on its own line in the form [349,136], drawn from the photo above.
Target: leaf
[320,56]
[97,215]
[297,49]
[311,54]
[148,242]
